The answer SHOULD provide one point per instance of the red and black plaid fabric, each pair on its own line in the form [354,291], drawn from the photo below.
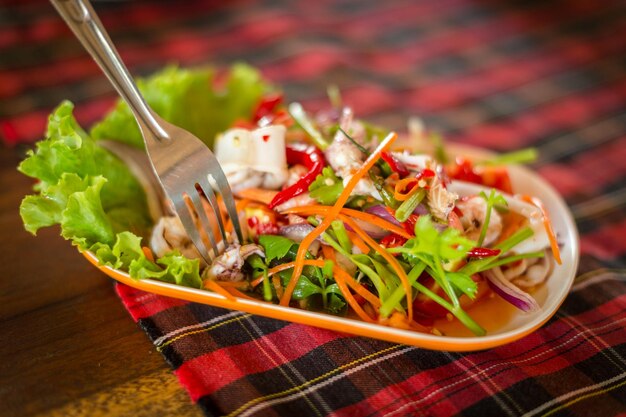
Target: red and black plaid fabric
[497,74]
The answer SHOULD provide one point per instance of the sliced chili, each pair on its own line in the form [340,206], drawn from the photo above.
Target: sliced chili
[393,240]
[395,164]
[309,156]
[266,106]
[480,253]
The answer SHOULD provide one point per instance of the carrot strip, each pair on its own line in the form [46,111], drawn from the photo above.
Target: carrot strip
[389,258]
[282,267]
[547,224]
[257,281]
[360,215]
[332,214]
[358,242]
[235,292]
[341,283]
[148,253]
[398,191]
[215,287]
[277,286]
[257,194]
[360,289]
[328,252]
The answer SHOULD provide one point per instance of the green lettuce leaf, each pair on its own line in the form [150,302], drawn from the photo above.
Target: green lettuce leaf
[97,202]
[92,195]
[187,98]
[82,186]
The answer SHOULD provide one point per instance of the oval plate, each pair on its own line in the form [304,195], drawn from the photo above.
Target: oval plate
[515,325]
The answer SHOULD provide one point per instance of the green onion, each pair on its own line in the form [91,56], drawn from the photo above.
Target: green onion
[396,297]
[334,95]
[492,200]
[440,150]
[300,116]
[342,235]
[354,142]
[478,265]
[406,208]
[523,156]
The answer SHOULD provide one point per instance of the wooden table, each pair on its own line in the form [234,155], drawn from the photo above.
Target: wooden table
[68,346]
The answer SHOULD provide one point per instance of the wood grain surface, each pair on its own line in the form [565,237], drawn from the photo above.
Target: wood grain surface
[68,347]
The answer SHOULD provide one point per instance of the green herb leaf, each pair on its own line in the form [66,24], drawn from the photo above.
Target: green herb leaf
[276,247]
[327,187]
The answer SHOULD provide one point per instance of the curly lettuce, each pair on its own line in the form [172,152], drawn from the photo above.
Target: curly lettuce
[188,98]
[92,195]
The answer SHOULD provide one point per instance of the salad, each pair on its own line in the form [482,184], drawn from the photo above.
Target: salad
[339,216]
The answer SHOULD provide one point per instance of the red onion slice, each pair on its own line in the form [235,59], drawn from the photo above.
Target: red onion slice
[380,211]
[296,232]
[372,230]
[509,291]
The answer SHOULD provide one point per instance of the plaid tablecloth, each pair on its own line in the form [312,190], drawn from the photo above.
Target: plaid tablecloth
[497,74]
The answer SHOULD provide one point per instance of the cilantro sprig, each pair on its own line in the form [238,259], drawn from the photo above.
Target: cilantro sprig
[494,199]
[428,251]
[327,187]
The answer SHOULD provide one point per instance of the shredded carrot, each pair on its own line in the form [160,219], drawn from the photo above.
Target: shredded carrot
[399,192]
[257,194]
[215,287]
[547,224]
[239,205]
[332,215]
[360,215]
[235,292]
[288,265]
[328,252]
[341,283]
[358,242]
[277,286]
[257,281]
[148,253]
[389,258]
[360,289]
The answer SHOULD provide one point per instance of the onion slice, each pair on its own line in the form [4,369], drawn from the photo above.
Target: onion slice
[380,211]
[509,291]
[373,231]
[296,232]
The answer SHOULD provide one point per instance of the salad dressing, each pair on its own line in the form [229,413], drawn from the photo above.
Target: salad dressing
[492,313]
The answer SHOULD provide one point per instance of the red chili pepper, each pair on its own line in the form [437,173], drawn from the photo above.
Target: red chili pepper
[480,253]
[266,106]
[425,173]
[393,241]
[309,156]
[395,164]
[409,224]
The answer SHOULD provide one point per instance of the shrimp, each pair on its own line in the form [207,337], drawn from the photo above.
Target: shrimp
[474,211]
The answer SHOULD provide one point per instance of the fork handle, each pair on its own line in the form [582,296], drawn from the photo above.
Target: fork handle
[84,22]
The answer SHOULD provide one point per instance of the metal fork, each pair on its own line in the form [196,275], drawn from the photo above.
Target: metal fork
[184,165]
